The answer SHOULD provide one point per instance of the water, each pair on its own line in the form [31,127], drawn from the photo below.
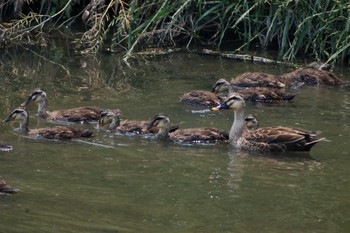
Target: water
[137,184]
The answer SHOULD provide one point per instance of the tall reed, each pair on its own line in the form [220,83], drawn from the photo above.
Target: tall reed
[317,29]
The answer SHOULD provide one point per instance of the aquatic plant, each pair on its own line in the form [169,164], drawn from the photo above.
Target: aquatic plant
[295,28]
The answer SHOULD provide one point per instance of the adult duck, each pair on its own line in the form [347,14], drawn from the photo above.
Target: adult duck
[312,75]
[80,114]
[253,94]
[273,139]
[162,123]
[111,121]
[58,132]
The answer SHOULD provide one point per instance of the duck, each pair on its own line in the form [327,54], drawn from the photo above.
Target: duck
[265,139]
[253,94]
[201,98]
[257,79]
[311,75]
[111,121]
[79,114]
[162,123]
[251,122]
[58,132]
[5,188]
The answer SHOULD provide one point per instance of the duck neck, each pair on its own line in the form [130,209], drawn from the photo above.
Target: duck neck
[163,132]
[23,125]
[114,124]
[237,127]
[42,109]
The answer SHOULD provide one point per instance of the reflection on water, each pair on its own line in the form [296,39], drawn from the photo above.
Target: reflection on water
[135,183]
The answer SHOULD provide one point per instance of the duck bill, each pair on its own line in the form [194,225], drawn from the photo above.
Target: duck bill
[220,107]
[8,119]
[149,128]
[27,101]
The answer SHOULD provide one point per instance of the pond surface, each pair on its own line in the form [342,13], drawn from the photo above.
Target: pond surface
[136,184]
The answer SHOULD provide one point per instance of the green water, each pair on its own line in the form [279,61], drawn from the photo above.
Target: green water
[136,184]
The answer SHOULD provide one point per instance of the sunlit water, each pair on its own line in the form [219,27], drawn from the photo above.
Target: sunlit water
[137,184]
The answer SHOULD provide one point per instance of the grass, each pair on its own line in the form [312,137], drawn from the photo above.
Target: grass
[319,30]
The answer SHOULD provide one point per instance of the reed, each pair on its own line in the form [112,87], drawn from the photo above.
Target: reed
[317,29]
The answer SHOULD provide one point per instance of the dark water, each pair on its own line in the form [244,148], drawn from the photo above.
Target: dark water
[135,184]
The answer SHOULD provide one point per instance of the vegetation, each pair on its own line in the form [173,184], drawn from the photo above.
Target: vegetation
[295,28]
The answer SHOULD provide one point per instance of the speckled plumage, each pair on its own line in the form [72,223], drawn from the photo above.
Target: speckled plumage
[189,135]
[257,79]
[276,139]
[112,121]
[58,132]
[79,114]
[5,188]
[200,98]
[253,94]
[311,77]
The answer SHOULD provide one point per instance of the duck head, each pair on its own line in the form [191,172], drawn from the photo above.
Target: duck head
[159,122]
[235,102]
[37,95]
[109,118]
[18,114]
[221,86]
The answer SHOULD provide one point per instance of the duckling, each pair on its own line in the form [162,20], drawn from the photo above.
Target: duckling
[257,79]
[251,122]
[200,98]
[190,135]
[80,114]
[110,118]
[58,132]
[5,188]
[253,94]
[311,76]
[266,139]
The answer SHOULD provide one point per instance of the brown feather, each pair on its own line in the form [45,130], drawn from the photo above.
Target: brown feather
[257,79]
[5,188]
[200,98]
[311,77]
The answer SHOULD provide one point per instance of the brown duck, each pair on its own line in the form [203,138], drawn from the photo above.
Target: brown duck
[80,114]
[257,79]
[58,132]
[5,188]
[112,121]
[191,135]
[253,94]
[200,98]
[273,139]
[311,76]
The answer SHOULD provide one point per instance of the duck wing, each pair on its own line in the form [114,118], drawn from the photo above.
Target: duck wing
[263,94]
[132,126]
[61,132]
[78,114]
[288,138]
[200,98]
[311,77]
[199,135]
[257,79]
